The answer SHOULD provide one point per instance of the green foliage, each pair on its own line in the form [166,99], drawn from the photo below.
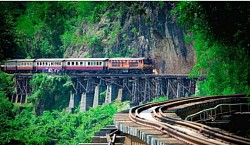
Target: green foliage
[91,11]
[39,29]
[50,92]
[134,30]
[6,84]
[224,64]
[159,99]
[53,127]
[8,47]
[102,96]
[130,52]
[112,54]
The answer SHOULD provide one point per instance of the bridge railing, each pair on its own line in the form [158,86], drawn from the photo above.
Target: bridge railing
[211,113]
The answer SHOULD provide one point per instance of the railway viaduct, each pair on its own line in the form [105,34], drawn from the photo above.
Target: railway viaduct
[136,88]
[177,121]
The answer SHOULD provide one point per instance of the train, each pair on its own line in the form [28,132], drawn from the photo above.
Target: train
[80,65]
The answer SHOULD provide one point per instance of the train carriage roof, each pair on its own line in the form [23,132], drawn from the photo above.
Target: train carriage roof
[12,60]
[85,59]
[25,60]
[50,59]
[128,58]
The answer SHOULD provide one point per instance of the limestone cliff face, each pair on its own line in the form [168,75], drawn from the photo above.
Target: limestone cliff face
[141,29]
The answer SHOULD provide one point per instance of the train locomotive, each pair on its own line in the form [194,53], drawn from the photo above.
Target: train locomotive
[79,65]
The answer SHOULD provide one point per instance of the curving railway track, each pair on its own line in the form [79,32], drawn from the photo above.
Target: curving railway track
[163,116]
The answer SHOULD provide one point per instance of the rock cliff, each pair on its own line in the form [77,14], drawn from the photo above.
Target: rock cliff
[137,29]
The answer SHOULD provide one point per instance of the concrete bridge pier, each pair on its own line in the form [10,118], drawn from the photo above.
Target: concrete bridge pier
[71,103]
[119,96]
[108,94]
[13,98]
[96,96]
[111,93]
[135,91]
[23,98]
[83,106]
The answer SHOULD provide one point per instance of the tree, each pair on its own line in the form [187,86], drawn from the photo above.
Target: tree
[50,92]
[220,42]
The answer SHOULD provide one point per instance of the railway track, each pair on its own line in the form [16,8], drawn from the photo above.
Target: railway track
[162,116]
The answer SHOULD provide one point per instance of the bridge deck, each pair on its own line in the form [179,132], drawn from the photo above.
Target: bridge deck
[146,134]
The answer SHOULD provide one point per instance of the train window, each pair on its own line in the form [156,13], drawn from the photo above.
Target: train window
[76,63]
[68,63]
[115,63]
[72,63]
[81,63]
[133,64]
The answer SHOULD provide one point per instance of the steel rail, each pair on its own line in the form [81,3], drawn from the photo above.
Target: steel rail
[166,123]
[165,128]
[205,129]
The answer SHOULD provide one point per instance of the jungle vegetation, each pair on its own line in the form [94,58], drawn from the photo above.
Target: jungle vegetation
[219,32]
[44,119]
[220,35]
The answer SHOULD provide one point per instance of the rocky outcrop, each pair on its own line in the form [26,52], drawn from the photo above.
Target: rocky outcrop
[138,29]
